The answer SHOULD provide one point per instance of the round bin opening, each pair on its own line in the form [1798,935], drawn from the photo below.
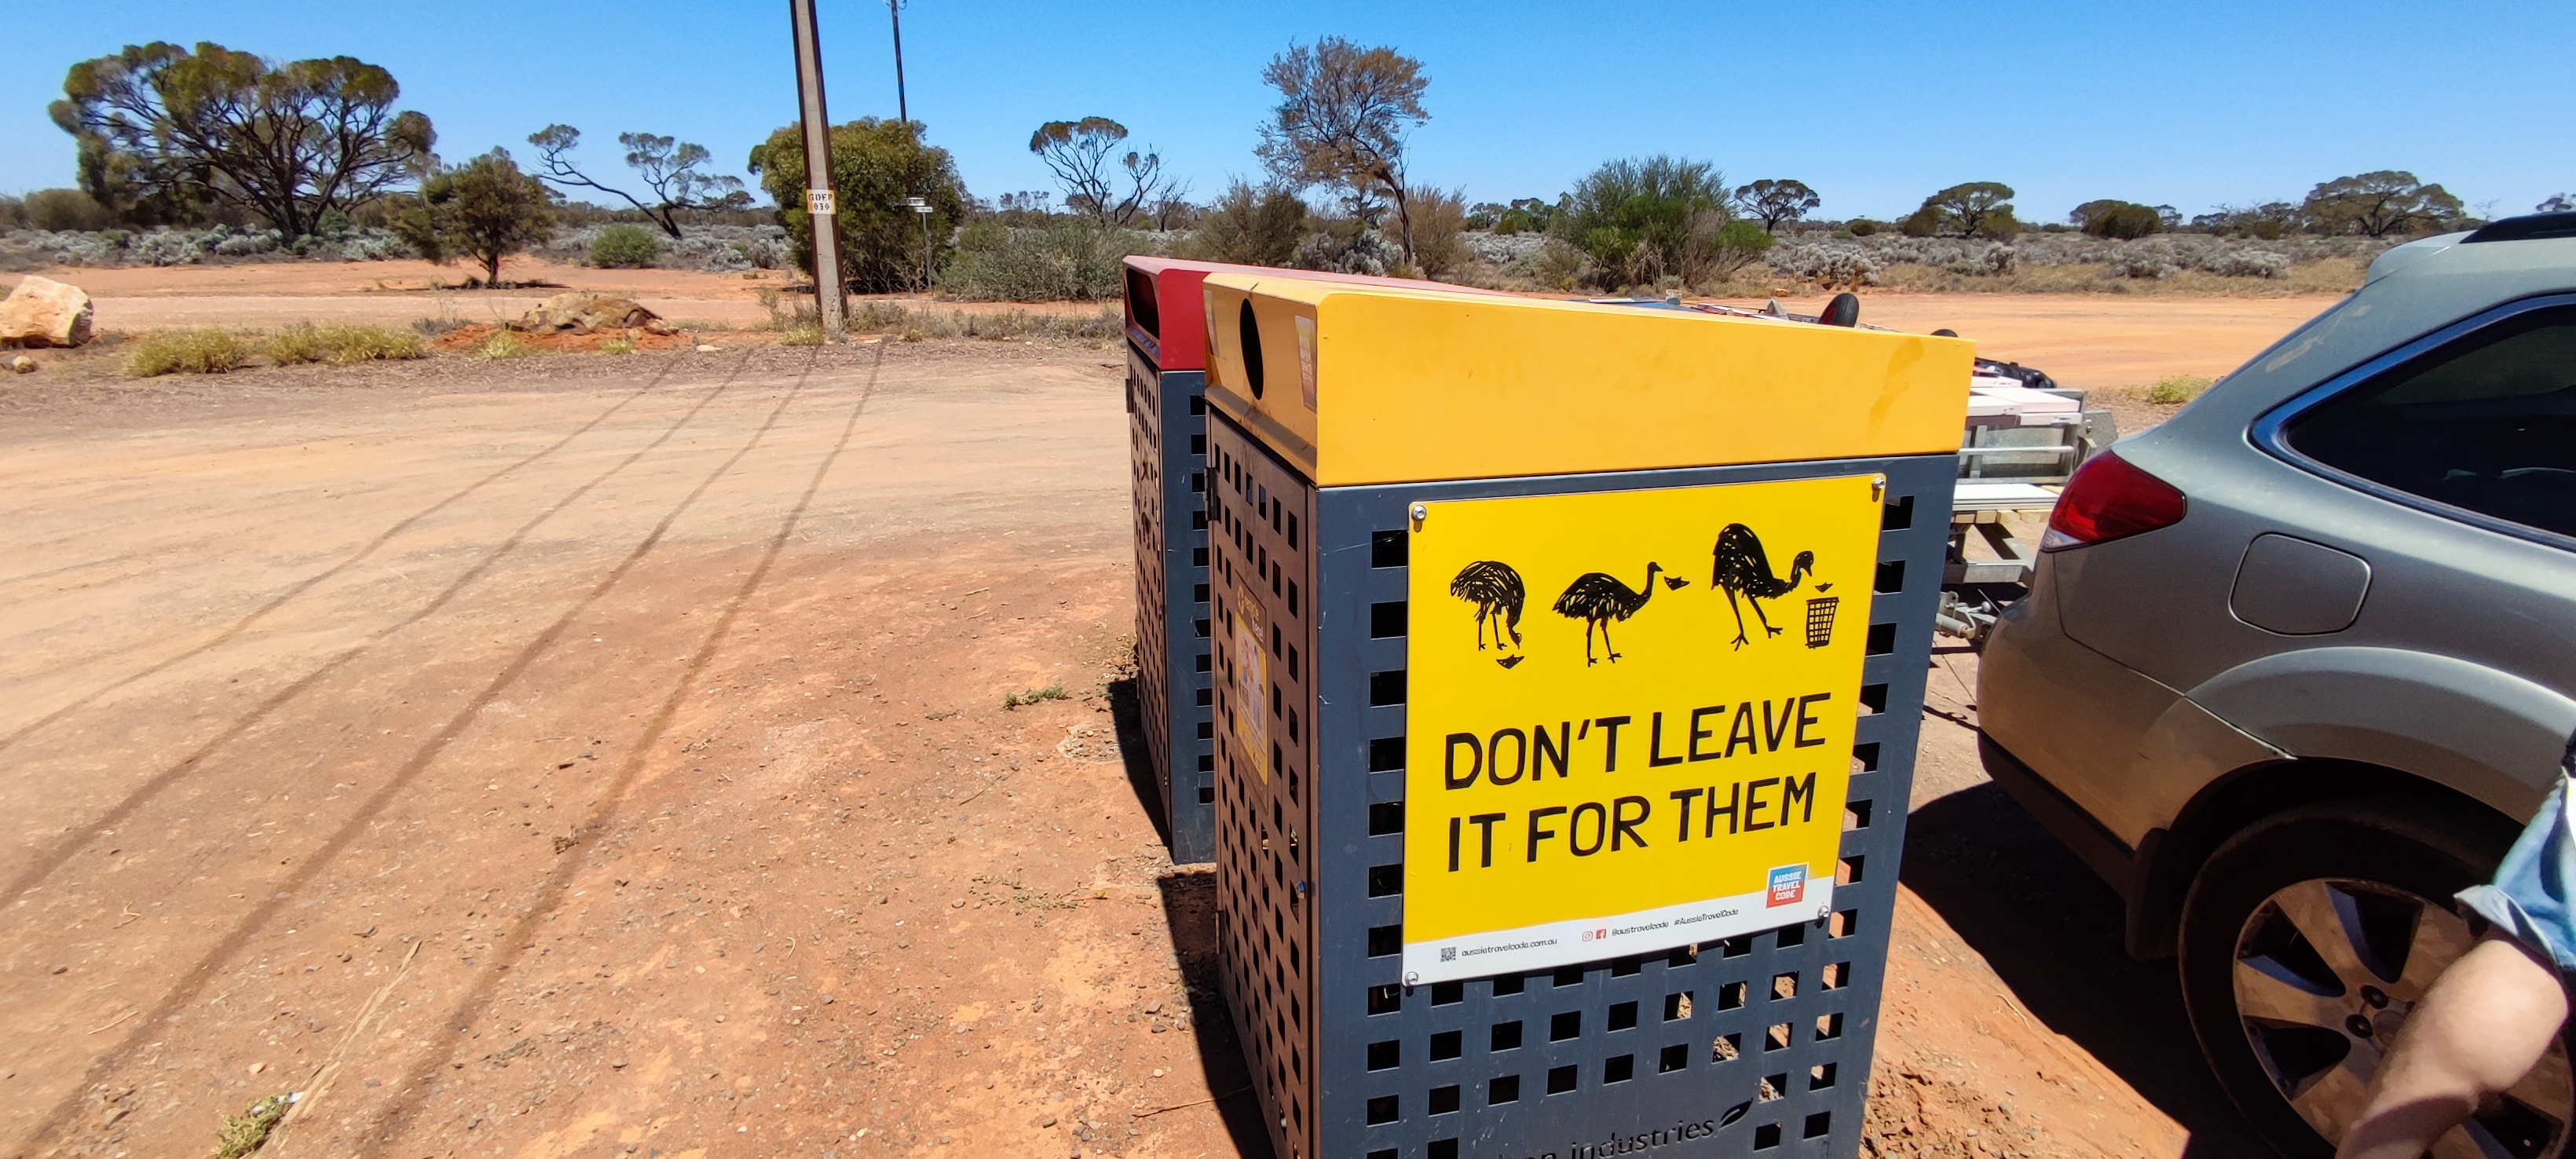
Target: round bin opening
[1251,328]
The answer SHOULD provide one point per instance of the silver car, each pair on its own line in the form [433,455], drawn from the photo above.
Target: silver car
[2295,666]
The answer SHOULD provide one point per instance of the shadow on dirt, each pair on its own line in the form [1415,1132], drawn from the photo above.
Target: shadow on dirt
[1127,711]
[2052,931]
[1189,905]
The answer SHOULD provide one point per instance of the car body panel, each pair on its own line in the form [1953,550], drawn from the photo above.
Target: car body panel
[2489,734]
[2129,684]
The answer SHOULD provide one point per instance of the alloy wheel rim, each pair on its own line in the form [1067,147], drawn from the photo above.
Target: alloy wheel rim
[2326,971]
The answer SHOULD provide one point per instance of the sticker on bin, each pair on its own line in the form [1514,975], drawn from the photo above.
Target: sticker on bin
[1629,720]
[1249,665]
[1788,885]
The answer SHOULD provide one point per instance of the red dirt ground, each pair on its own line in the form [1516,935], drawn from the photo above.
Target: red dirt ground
[608,757]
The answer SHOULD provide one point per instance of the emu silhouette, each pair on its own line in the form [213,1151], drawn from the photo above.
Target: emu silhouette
[1496,591]
[1743,569]
[1596,599]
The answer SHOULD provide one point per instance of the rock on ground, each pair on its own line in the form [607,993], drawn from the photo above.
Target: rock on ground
[581,313]
[44,312]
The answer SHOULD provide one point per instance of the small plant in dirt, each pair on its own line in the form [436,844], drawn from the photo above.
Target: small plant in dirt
[207,351]
[625,247]
[2177,389]
[810,334]
[504,344]
[618,346]
[344,344]
[248,1131]
[1053,691]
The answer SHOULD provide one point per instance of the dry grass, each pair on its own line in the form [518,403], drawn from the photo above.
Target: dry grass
[205,351]
[2177,389]
[247,1132]
[344,344]
[881,317]
[2324,276]
[504,344]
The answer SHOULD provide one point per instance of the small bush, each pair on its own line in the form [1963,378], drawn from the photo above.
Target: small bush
[2120,220]
[880,316]
[1248,226]
[1738,245]
[1065,261]
[248,1131]
[207,351]
[810,334]
[66,210]
[1862,227]
[1053,691]
[1439,220]
[504,344]
[625,247]
[342,345]
[2174,390]
[618,346]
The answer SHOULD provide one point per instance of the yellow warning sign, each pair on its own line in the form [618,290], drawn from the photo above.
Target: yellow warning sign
[1629,718]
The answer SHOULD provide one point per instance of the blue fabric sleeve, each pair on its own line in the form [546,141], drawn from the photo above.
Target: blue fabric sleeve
[2533,897]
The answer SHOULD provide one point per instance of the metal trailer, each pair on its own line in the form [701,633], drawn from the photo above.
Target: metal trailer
[1167,429]
[1346,428]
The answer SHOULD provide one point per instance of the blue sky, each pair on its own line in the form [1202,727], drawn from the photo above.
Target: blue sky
[1875,105]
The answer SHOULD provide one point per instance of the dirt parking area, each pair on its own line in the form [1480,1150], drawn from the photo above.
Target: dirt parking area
[605,756]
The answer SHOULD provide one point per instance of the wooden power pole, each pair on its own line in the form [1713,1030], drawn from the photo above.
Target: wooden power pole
[819,204]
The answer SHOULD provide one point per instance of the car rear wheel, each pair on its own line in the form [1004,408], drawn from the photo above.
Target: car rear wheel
[2306,941]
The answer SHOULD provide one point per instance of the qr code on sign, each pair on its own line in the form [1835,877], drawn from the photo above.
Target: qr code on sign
[1448,953]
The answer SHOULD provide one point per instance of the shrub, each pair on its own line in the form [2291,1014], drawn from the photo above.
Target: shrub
[13,212]
[485,210]
[504,344]
[1830,266]
[66,211]
[2123,220]
[810,334]
[1248,226]
[2245,263]
[1367,252]
[876,164]
[2000,259]
[2144,264]
[1738,245]
[2173,390]
[625,247]
[1862,227]
[1439,232]
[1070,260]
[1642,219]
[342,345]
[207,351]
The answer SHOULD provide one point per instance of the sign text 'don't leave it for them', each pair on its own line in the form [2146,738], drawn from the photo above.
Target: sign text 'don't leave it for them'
[1629,718]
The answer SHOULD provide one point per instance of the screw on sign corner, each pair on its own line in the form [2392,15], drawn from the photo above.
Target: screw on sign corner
[1820,620]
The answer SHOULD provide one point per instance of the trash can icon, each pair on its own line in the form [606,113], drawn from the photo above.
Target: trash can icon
[1820,620]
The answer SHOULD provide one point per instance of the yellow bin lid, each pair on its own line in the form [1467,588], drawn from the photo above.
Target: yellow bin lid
[1360,385]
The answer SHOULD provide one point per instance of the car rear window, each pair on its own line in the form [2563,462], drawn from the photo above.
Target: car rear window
[2485,424]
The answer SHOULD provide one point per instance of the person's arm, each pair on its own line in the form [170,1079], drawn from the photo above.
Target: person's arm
[2480,1029]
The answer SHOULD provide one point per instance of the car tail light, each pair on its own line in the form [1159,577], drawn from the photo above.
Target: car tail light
[2111,499]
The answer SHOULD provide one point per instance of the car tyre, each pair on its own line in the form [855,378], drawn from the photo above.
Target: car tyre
[2305,940]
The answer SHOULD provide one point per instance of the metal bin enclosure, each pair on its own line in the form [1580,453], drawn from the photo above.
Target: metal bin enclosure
[1348,430]
[1167,429]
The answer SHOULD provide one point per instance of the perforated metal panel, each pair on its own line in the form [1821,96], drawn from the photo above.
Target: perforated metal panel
[1758,1045]
[1167,431]
[1261,574]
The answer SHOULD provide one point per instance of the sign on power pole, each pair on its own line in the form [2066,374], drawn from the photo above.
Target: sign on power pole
[818,168]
